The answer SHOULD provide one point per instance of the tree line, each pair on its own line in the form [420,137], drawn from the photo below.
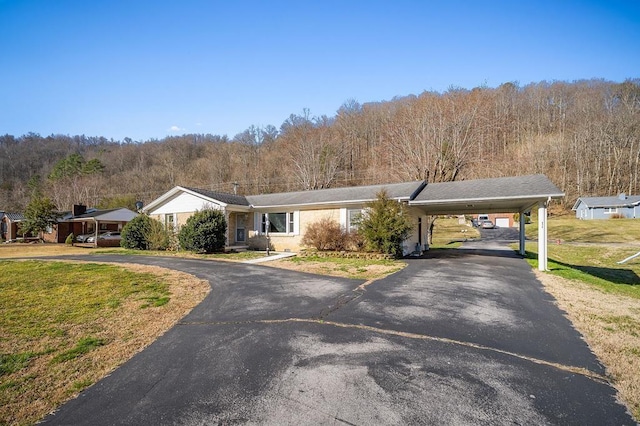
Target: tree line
[584,135]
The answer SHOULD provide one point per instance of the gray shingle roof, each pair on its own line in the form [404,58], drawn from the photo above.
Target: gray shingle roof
[117,215]
[15,217]
[238,200]
[480,189]
[398,191]
[605,202]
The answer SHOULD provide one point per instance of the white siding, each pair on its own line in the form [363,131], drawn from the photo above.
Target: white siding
[185,203]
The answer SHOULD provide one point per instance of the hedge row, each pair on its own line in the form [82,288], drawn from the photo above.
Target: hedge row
[346,255]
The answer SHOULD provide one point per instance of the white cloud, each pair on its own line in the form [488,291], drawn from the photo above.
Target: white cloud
[176,129]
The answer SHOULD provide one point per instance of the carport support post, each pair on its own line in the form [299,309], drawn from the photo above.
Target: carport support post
[542,236]
[522,236]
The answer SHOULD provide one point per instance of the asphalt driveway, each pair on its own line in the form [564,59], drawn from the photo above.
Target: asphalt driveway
[463,336]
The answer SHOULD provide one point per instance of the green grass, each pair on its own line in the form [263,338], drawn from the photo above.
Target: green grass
[45,298]
[10,363]
[593,264]
[570,229]
[43,308]
[447,233]
[84,345]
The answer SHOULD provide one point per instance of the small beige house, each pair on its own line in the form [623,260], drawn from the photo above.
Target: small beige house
[282,216]
[285,216]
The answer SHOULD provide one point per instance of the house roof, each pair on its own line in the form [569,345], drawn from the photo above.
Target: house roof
[496,195]
[507,194]
[15,217]
[112,215]
[608,202]
[238,200]
[354,194]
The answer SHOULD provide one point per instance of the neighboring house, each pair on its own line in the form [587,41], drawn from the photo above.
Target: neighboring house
[88,221]
[501,220]
[10,226]
[606,207]
[286,215]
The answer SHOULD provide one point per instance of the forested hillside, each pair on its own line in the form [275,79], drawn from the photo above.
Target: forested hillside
[584,135]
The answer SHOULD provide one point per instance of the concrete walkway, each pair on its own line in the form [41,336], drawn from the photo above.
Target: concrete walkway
[459,337]
[269,258]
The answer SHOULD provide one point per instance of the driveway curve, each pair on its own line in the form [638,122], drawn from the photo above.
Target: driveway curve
[463,336]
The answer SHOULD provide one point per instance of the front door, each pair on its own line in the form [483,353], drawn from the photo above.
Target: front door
[240,228]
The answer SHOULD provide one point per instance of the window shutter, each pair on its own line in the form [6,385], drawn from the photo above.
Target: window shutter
[257,221]
[296,222]
[343,218]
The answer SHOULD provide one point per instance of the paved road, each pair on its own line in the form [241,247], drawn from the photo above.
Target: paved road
[463,336]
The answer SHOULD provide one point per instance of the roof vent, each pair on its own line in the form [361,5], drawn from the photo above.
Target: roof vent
[622,196]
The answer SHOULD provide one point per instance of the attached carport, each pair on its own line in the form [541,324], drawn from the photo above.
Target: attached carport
[498,195]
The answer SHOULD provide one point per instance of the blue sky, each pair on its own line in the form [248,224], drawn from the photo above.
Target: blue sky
[148,69]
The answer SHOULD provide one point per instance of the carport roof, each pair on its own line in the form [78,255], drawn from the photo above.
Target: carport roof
[497,195]
[111,215]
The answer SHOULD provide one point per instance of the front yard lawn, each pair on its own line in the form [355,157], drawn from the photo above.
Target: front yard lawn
[63,326]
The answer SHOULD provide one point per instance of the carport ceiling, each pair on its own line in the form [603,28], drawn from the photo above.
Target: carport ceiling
[498,195]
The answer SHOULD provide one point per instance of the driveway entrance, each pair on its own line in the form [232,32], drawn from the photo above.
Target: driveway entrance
[462,337]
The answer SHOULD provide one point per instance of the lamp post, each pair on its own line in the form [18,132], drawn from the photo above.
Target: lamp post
[266,230]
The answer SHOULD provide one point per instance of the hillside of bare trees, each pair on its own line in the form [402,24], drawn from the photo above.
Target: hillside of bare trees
[584,135]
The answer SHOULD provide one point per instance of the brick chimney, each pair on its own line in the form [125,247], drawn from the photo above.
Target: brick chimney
[79,209]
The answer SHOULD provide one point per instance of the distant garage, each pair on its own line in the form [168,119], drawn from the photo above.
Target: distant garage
[503,222]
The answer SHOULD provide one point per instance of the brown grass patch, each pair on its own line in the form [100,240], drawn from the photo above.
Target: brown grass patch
[128,330]
[610,324]
[14,250]
[360,270]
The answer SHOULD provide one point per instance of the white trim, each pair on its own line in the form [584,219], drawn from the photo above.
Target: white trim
[296,222]
[343,218]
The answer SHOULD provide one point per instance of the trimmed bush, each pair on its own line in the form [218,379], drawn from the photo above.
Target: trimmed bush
[158,237]
[204,232]
[69,240]
[325,234]
[144,233]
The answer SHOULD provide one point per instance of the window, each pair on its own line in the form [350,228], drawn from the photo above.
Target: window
[353,218]
[611,210]
[279,223]
[169,221]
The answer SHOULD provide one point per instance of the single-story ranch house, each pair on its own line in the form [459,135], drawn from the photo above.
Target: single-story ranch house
[284,217]
[82,220]
[607,207]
